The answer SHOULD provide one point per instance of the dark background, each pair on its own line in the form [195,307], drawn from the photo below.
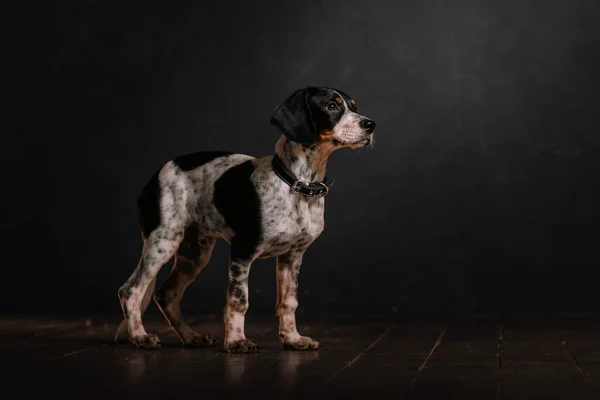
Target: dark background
[480,195]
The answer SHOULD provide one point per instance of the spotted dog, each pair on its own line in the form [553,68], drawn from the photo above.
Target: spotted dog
[263,207]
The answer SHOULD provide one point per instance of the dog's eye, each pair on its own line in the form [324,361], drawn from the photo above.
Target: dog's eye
[332,107]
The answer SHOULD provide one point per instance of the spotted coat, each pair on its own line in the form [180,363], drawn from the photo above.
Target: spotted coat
[196,199]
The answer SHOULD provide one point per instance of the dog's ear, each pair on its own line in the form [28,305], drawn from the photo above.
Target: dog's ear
[293,117]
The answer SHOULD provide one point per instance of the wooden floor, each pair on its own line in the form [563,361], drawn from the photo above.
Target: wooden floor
[537,358]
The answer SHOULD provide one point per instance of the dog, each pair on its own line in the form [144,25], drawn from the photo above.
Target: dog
[263,207]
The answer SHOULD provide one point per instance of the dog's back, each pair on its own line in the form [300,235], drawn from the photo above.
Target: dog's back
[186,181]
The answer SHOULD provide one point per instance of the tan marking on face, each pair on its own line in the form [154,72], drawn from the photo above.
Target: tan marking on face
[338,100]
[326,134]
[353,103]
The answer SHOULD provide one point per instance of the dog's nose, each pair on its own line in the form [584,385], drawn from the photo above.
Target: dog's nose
[368,125]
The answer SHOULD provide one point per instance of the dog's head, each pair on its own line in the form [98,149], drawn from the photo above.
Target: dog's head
[318,115]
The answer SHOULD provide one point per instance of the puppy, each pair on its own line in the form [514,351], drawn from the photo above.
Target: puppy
[263,207]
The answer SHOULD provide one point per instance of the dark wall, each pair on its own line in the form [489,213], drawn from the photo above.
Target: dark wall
[481,193]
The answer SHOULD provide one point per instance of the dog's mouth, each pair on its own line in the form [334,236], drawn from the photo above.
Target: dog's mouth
[367,141]
[361,143]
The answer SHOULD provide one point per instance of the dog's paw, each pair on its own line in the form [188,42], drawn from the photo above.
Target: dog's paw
[148,342]
[302,343]
[197,340]
[241,346]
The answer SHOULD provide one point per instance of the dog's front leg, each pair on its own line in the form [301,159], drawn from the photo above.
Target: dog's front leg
[237,305]
[288,268]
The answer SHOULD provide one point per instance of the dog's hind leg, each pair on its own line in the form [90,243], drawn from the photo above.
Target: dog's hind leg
[145,303]
[191,258]
[161,245]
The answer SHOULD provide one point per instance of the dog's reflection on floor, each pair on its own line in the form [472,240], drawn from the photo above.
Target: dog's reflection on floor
[290,361]
[236,366]
[136,366]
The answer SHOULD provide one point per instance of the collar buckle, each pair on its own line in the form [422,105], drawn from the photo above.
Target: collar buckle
[306,189]
[295,186]
[326,189]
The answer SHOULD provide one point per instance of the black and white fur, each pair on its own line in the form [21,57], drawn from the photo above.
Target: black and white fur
[195,199]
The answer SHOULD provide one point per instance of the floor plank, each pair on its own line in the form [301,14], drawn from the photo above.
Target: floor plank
[465,363]
[425,358]
[390,365]
[536,366]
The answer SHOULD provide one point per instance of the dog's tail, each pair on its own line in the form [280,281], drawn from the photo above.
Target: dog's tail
[145,303]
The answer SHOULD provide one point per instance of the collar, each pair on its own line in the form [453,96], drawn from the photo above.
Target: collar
[306,189]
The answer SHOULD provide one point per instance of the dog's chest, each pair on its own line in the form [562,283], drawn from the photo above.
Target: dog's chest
[291,225]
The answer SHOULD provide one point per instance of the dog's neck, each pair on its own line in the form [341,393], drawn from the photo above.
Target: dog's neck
[308,164]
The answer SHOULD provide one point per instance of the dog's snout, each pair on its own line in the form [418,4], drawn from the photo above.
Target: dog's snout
[368,125]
